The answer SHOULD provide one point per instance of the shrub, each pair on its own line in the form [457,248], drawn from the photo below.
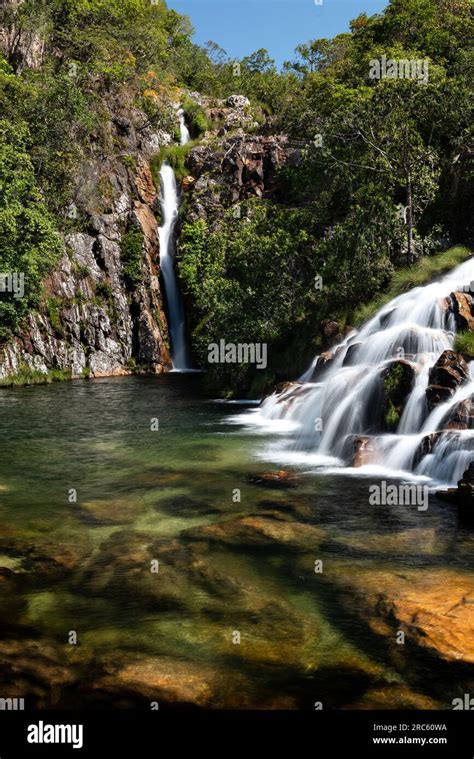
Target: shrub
[131,248]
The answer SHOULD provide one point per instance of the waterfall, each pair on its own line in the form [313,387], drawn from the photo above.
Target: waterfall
[325,411]
[169,209]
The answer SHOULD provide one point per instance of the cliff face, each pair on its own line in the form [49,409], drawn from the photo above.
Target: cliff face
[236,161]
[93,321]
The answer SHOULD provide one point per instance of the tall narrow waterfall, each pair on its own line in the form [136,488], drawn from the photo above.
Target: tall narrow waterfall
[170,208]
[328,410]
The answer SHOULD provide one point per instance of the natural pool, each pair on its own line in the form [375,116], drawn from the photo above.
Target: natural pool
[236,615]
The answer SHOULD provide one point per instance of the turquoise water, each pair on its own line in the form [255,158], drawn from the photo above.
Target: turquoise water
[233,614]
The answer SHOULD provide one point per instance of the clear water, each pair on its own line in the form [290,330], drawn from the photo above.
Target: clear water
[303,636]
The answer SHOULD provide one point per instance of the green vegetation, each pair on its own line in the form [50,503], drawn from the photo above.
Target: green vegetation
[176,156]
[384,181]
[131,248]
[195,118]
[464,343]
[251,281]
[28,376]
[52,307]
[104,292]
[29,245]
[426,270]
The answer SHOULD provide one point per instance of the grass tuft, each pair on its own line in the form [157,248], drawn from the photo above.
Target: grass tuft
[423,272]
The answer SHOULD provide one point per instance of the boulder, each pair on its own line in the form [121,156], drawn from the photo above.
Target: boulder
[466,488]
[445,377]
[426,447]
[433,607]
[238,101]
[462,306]
[364,452]
[322,364]
[461,416]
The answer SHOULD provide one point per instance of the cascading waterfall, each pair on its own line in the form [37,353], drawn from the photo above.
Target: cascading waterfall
[325,416]
[170,207]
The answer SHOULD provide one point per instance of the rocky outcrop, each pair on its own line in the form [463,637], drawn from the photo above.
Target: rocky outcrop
[323,362]
[94,321]
[463,308]
[22,47]
[238,167]
[461,417]
[445,377]
[427,446]
[332,333]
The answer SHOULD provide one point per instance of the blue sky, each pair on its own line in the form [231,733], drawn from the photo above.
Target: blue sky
[242,26]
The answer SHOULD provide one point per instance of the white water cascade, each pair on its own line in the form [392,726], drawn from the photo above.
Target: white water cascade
[169,209]
[324,415]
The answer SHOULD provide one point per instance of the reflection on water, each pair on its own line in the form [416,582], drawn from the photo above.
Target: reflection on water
[186,582]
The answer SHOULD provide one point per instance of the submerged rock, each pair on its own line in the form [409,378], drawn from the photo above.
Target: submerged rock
[110,512]
[172,681]
[36,670]
[434,608]
[263,532]
[276,479]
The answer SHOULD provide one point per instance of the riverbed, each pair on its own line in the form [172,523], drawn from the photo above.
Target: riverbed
[141,562]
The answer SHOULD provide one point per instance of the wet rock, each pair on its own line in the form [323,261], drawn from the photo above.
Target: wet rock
[445,377]
[12,604]
[323,362]
[435,608]
[351,352]
[261,532]
[42,561]
[463,495]
[427,446]
[122,569]
[298,508]
[461,416]
[364,452]
[462,306]
[290,393]
[162,679]
[276,479]
[110,511]
[35,670]
[187,507]
[393,696]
